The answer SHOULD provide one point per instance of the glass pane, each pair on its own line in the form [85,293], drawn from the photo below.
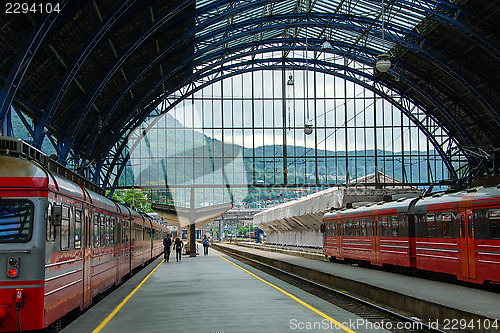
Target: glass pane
[16,221]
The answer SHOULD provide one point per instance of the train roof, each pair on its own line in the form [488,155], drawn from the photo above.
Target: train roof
[478,195]
[22,173]
[19,172]
[401,205]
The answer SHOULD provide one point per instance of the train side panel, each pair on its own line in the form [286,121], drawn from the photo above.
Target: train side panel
[23,216]
[452,233]
[29,255]
[61,244]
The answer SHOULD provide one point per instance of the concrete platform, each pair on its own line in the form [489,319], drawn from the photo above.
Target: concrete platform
[211,294]
[430,300]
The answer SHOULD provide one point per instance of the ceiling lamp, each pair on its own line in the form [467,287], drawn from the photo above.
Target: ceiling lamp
[290,80]
[326,45]
[383,63]
[308,129]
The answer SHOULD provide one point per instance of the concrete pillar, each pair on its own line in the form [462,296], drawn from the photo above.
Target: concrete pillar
[192,239]
[192,226]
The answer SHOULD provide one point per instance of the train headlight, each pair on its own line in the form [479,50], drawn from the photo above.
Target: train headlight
[13,267]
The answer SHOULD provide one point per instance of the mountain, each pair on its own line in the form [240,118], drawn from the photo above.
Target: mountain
[180,154]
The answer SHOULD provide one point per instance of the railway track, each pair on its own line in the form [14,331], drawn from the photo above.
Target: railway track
[377,316]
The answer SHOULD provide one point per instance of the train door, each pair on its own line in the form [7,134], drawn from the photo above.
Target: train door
[87,258]
[376,241]
[467,244]
[340,232]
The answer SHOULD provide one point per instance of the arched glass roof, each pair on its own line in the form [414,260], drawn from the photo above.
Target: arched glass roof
[86,76]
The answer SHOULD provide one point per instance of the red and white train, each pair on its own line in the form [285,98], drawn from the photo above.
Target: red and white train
[61,243]
[455,233]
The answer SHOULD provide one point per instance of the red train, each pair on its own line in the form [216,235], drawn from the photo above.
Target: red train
[61,243]
[454,233]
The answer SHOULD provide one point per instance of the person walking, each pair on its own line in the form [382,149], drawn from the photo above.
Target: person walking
[205,245]
[178,244]
[167,245]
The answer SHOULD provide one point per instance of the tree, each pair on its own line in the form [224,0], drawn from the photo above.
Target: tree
[134,198]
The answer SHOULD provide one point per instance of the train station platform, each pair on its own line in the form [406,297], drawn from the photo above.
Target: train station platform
[211,293]
[433,300]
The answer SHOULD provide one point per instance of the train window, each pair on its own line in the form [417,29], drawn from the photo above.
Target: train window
[51,229]
[362,228]
[369,231]
[384,227]
[394,226]
[124,231]
[112,231]
[430,220]
[65,227]
[420,226]
[470,226]
[102,231]
[494,222]
[447,224]
[16,221]
[108,231]
[95,231]
[462,226]
[349,228]
[402,225]
[78,229]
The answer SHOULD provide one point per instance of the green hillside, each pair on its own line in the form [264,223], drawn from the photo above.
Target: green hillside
[180,155]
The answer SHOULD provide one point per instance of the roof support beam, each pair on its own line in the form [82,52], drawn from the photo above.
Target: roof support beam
[24,58]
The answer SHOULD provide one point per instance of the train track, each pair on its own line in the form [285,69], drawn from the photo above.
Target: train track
[377,316]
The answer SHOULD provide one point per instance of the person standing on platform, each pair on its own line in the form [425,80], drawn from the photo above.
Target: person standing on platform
[205,245]
[178,244]
[167,245]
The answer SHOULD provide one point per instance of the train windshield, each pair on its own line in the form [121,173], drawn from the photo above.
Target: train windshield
[16,221]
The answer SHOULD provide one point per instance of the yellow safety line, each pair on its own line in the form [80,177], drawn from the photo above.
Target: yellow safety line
[115,311]
[337,324]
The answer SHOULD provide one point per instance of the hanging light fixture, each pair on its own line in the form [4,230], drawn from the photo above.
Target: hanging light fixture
[308,127]
[383,63]
[326,46]
[290,80]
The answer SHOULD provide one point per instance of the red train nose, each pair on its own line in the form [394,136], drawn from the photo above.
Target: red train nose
[4,314]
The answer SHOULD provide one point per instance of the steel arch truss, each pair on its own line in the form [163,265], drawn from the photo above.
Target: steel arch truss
[108,64]
[443,143]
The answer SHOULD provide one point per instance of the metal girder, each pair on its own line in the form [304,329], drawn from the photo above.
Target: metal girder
[67,79]
[236,55]
[129,50]
[402,104]
[24,58]
[369,58]
[6,128]
[208,57]
[397,35]
[453,21]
